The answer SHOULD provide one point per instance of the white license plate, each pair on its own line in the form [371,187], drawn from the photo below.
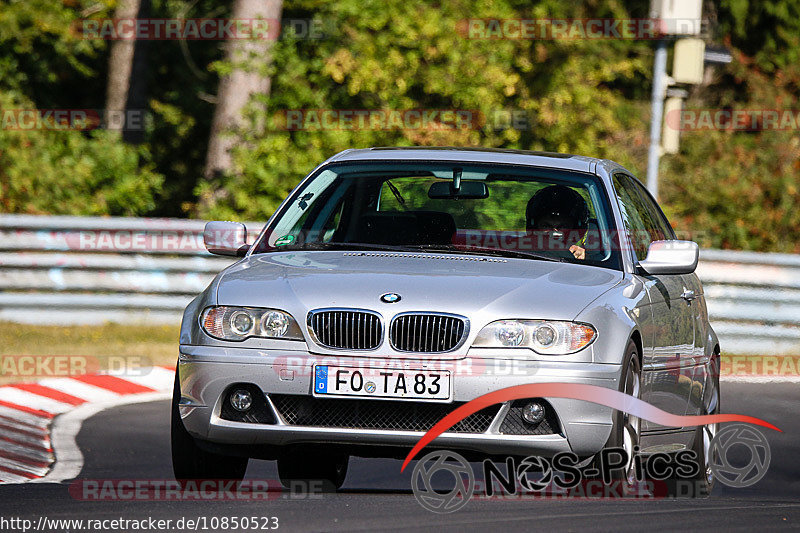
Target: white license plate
[381,383]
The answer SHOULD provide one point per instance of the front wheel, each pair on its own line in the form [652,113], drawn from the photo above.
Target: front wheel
[190,462]
[626,430]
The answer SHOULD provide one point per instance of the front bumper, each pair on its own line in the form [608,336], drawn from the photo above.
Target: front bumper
[207,372]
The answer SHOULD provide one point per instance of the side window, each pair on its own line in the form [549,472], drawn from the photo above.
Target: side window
[643,224]
[659,219]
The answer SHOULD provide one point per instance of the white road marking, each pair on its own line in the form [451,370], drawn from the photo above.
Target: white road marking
[21,426]
[23,417]
[79,389]
[34,401]
[28,452]
[8,478]
[157,378]
[24,439]
[19,466]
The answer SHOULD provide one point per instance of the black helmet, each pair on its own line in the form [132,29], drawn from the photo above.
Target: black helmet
[559,207]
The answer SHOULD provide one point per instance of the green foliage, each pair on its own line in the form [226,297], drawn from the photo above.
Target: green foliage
[412,55]
[743,196]
[739,189]
[71,173]
[43,55]
[181,89]
[46,64]
[767,30]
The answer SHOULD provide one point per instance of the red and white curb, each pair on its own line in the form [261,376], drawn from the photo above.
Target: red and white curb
[39,421]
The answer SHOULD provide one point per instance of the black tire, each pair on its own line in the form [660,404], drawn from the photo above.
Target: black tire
[626,431]
[312,466]
[190,462]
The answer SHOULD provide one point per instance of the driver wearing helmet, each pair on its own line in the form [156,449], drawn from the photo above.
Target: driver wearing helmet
[562,213]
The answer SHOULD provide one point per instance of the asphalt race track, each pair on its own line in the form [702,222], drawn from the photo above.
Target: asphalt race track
[132,442]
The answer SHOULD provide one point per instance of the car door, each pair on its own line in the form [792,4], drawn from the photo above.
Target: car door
[668,333]
[697,370]
[692,372]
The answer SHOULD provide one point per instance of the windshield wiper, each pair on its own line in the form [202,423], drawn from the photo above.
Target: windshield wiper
[397,195]
[479,250]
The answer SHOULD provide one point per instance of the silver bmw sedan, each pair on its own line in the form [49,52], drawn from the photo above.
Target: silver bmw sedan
[395,284]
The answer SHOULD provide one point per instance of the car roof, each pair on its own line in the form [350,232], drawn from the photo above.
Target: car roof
[476,155]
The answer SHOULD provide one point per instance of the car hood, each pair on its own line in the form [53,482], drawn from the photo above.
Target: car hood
[478,287]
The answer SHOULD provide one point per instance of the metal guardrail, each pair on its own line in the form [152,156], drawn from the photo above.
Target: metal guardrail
[753,300]
[88,270]
[83,270]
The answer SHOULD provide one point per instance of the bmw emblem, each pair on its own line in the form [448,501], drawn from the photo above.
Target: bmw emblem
[390,298]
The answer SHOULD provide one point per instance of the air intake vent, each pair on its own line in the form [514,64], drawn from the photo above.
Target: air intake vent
[348,329]
[371,414]
[427,332]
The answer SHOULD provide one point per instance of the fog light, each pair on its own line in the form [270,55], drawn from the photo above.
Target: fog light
[533,413]
[241,400]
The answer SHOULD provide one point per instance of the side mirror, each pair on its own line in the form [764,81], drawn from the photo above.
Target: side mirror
[671,257]
[226,238]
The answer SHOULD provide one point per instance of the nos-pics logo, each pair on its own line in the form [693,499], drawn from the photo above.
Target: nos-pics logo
[444,482]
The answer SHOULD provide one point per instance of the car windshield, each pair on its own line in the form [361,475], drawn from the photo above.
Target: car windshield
[500,210]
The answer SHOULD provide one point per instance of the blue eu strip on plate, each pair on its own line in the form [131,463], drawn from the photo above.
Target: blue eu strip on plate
[321,379]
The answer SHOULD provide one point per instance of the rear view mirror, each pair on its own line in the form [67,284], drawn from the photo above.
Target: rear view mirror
[671,257]
[226,238]
[469,190]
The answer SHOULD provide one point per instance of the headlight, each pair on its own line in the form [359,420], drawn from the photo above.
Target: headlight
[542,336]
[239,323]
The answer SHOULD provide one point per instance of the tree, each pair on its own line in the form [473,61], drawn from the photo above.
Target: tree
[126,65]
[249,60]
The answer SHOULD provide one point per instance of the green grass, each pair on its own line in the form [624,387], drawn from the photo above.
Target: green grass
[101,346]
